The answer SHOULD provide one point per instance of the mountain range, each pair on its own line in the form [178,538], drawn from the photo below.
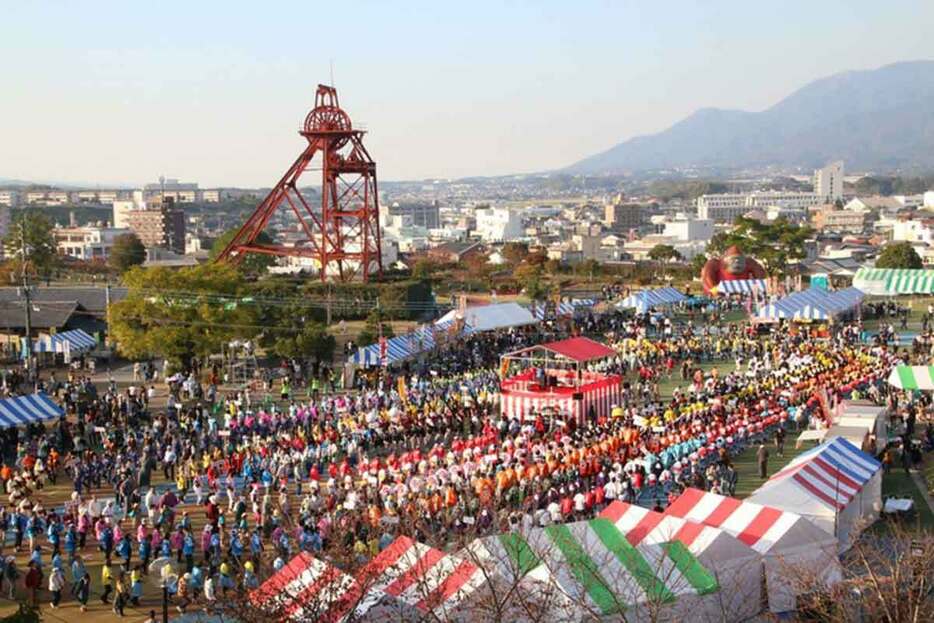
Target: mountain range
[881,120]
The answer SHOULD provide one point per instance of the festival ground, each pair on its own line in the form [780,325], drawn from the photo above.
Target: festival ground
[895,483]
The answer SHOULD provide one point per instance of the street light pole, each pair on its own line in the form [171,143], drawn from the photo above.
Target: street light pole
[28,305]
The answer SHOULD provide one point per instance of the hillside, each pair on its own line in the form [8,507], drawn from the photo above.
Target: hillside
[880,119]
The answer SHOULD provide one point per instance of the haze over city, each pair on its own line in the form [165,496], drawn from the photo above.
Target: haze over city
[117,93]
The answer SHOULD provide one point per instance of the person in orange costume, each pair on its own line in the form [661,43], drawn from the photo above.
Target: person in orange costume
[732,266]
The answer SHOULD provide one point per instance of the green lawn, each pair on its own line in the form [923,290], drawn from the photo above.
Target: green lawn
[748,469]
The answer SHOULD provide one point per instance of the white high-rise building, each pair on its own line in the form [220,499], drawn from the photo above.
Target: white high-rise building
[828,181]
[498,224]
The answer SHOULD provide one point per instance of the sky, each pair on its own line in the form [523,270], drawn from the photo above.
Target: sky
[214,92]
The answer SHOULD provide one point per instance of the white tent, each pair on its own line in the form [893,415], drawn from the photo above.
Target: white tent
[492,317]
[737,567]
[865,413]
[856,435]
[792,547]
[835,485]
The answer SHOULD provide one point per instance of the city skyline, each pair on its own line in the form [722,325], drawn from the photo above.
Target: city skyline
[122,94]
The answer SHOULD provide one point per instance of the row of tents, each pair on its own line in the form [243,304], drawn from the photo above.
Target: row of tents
[459,323]
[812,304]
[705,558]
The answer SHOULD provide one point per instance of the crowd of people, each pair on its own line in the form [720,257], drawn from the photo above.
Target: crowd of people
[247,482]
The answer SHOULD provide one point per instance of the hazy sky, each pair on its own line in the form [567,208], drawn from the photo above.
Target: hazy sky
[213,92]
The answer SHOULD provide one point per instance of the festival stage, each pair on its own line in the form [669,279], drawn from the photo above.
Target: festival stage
[552,377]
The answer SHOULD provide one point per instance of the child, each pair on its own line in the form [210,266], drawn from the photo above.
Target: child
[56,584]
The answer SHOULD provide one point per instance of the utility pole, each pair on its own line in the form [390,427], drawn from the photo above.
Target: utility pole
[328,307]
[106,312]
[28,305]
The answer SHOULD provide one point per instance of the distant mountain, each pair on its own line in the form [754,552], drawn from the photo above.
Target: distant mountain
[880,119]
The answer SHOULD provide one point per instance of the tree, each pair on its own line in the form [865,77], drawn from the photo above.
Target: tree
[664,253]
[253,263]
[515,252]
[35,231]
[376,326]
[180,314]
[899,255]
[774,243]
[312,342]
[697,263]
[127,251]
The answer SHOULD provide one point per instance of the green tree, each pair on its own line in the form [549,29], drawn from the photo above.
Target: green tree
[179,314]
[312,342]
[774,243]
[33,230]
[127,251]
[424,269]
[664,253]
[899,255]
[253,263]
[375,326]
[697,263]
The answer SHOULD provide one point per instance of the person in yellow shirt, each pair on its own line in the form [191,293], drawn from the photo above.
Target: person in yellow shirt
[106,581]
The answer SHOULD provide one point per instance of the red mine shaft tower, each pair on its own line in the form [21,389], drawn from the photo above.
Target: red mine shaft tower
[343,233]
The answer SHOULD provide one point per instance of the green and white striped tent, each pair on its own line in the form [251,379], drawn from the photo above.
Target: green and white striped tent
[600,574]
[893,281]
[912,377]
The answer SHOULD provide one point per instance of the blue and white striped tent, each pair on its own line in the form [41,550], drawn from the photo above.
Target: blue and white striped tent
[404,346]
[22,410]
[812,304]
[562,309]
[743,286]
[646,299]
[75,341]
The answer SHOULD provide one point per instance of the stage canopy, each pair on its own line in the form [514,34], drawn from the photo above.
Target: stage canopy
[743,286]
[22,410]
[894,281]
[912,377]
[835,485]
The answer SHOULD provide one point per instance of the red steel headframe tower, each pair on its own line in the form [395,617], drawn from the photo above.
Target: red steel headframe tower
[343,234]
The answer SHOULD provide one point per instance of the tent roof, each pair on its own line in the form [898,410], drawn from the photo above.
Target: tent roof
[307,588]
[714,547]
[766,529]
[592,560]
[832,473]
[498,316]
[912,377]
[28,409]
[580,349]
[420,576]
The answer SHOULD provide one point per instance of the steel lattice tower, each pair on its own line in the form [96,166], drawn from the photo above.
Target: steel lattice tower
[343,232]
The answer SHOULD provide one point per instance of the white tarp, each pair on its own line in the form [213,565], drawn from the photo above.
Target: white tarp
[500,316]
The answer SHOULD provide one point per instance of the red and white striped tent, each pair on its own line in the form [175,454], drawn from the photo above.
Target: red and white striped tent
[422,577]
[737,567]
[835,485]
[792,546]
[308,589]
